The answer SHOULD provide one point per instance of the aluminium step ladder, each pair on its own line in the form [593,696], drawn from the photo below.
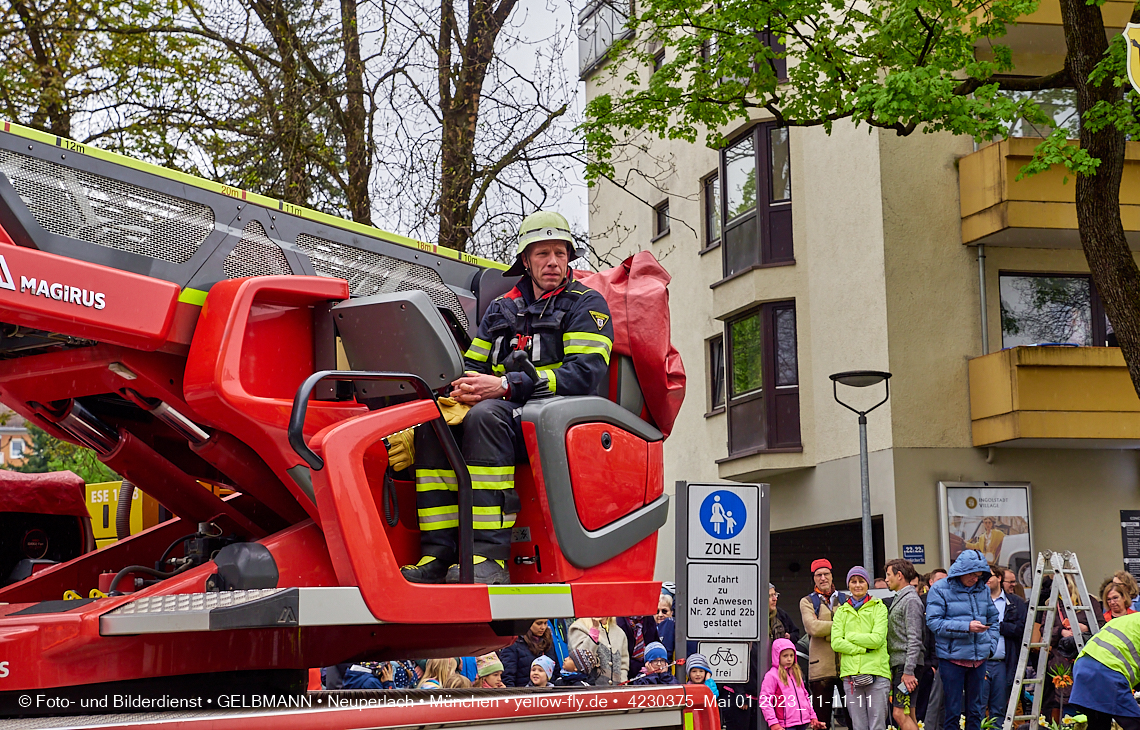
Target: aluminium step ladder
[1057,565]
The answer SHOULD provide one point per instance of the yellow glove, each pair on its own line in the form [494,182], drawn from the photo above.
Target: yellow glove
[402,446]
[402,449]
[453,411]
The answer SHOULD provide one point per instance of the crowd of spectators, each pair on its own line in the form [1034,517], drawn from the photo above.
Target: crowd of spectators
[934,651]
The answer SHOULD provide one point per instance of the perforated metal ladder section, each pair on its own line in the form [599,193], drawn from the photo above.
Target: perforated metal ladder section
[1058,565]
[255,255]
[107,212]
[370,273]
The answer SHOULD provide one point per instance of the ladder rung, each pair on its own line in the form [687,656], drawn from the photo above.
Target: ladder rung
[1035,680]
[1024,717]
[1039,645]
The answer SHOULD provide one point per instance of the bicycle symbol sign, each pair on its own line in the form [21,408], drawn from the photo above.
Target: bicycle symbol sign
[729,660]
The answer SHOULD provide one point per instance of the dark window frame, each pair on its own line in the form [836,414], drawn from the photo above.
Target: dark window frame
[597,57]
[715,404]
[779,429]
[1099,328]
[659,210]
[768,250]
[710,208]
[658,59]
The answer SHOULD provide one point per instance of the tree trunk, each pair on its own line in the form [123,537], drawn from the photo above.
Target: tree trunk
[290,109]
[1114,270]
[356,130]
[460,91]
[52,114]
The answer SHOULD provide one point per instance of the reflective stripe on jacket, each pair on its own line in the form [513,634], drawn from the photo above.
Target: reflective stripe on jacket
[567,333]
[1117,646]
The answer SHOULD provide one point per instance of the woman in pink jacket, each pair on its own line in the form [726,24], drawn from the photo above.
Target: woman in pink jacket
[783,698]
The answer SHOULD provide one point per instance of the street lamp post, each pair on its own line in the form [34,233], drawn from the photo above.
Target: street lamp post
[863,379]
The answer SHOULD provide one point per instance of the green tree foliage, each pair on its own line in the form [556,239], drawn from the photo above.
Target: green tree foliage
[88,70]
[900,65]
[47,453]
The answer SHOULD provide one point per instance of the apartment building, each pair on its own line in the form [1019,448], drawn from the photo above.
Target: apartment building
[796,255]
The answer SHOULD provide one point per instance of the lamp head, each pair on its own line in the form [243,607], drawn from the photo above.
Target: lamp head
[860,378]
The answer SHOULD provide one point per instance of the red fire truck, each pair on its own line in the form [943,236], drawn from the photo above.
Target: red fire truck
[204,340]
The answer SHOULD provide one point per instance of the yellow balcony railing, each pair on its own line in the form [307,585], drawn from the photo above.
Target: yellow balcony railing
[1064,397]
[1038,211]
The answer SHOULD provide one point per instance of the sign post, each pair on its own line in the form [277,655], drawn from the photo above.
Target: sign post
[722,578]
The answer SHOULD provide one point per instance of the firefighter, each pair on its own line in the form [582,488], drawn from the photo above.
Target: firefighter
[1105,675]
[565,329]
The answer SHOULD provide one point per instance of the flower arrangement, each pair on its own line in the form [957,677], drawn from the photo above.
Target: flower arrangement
[1068,722]
[1061,675]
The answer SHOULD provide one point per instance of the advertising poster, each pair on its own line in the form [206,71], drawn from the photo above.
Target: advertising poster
[991,518]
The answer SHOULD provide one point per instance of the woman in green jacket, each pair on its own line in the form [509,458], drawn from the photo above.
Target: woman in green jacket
[859,635]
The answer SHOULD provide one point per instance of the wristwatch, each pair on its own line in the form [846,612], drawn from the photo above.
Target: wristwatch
[505,384]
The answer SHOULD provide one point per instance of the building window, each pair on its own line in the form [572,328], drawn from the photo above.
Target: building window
[600,24]
[757,195]
[660,220]
[716,374]
[712,211]
[1041,309]
[16,448]
[658,60]
[763,380]
[780,63]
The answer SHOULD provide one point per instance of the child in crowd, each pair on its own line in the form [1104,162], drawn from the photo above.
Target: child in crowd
[656,669]
[490,672]
[457,681]
[580,669]
[541,670]
[783,698]
[699,672]
[436,672]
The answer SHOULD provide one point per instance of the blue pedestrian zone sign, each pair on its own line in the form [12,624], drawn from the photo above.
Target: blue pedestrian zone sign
[723,515]
[724,521]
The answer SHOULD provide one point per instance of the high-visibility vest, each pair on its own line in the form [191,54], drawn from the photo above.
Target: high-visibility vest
[1117,646]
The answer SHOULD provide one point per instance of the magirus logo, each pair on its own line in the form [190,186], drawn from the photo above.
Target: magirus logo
[51,289]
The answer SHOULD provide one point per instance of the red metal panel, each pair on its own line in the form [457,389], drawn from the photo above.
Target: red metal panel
[655,483]
[554,563]
[58,294]
[608,483]
[357,534]
[625,598]
[236,324]
[535,515]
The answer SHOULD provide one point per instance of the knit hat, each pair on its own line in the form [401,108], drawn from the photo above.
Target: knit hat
[487,665]
[655,650]
[697,661]
[546,663]
[586,661]
[820,563]
[860,571]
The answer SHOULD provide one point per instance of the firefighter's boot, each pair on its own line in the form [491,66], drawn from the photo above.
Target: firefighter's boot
[490,572]
[430,569]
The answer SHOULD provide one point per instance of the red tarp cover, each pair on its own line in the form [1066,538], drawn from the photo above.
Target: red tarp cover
[637,294]
[53,493]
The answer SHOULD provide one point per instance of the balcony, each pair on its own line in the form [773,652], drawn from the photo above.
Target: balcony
[1038,39]
[1055,397]
[1034,212]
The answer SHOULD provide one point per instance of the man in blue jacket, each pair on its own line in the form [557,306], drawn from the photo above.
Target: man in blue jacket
[965,622]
